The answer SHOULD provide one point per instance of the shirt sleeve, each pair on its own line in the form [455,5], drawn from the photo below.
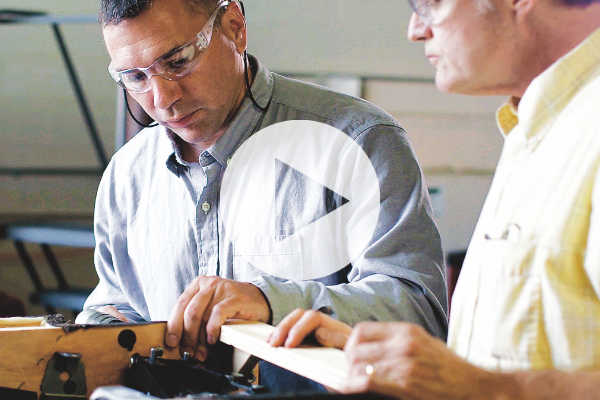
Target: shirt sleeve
[111,241]
[401,274]
[592,252]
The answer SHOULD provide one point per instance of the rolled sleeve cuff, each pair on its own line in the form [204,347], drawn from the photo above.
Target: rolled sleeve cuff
[282,299]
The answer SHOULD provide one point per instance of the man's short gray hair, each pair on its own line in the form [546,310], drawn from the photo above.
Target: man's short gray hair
[488,5]
[580,2]
[114,11]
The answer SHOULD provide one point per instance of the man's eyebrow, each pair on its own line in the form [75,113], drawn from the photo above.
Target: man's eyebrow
[165,55]
[172,51]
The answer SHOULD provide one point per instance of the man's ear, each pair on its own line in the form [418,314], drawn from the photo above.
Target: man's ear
[522,8]
[233,25]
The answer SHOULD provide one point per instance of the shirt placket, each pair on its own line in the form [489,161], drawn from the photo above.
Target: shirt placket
[206,217]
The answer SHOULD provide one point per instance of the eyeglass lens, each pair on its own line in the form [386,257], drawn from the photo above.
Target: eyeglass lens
[173,66]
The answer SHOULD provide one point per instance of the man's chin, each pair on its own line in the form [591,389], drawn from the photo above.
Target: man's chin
[197,135]
[192,136]
[444,85]
[456,86]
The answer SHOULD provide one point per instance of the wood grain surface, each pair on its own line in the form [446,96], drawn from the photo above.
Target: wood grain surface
[326,366]
[26,350]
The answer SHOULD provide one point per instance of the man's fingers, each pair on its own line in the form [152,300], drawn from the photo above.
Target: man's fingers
[175,323]
[213,300]
[368,352]
[280,333]
[297,325]
[193,318]
[220,313]
[387,376]
[369,332]
[356,384]
[235,300]
[201,352]
[333,334]
[309,321]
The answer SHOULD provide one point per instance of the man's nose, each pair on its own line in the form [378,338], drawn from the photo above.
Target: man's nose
[165,92]
[418,30]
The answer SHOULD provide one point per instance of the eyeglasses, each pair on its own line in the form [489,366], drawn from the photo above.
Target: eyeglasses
[172,66]
[424,9]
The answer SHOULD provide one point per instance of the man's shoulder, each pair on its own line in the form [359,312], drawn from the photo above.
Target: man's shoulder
[582,106]
[137,162]
[591,89]
[305,100]
[146,143]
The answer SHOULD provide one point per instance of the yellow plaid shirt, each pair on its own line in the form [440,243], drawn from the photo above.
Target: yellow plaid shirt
[529,293]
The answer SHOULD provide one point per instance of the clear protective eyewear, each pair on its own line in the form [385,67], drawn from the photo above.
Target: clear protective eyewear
[174,65]
[424,9]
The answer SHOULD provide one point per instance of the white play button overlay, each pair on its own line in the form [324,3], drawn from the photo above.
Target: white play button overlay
[299,200]
[303,184]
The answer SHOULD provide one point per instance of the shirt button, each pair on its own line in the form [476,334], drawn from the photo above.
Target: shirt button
[206,207]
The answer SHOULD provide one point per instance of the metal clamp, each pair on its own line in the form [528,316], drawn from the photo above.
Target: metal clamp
[64,378]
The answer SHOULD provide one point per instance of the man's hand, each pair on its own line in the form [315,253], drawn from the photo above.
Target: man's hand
[112,311]
[300,323]
[402,360]
[209,302]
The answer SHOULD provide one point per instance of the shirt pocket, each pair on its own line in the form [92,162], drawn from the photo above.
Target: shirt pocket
[510,297]
[260,254]
[509,251]
[517,327]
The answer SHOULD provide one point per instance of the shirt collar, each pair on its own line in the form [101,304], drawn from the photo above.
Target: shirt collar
[241,127]
[506,116]
[171,152]
[551,91]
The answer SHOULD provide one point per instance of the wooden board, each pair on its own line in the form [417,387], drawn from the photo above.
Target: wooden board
[326,366]
[26,349]
[26,345]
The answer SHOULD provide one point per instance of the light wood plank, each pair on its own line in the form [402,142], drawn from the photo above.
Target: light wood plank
[326,366]
[21,322]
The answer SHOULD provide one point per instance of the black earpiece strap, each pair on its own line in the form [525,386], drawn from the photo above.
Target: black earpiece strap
[152,125]
[263,109]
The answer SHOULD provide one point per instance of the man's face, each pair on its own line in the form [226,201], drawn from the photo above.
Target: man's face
[469,44]
[199,106]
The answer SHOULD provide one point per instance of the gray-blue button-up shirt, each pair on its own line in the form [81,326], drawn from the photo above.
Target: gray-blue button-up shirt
[157,220]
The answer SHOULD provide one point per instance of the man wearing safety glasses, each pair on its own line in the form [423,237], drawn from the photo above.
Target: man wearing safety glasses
[160,252]
[525,320]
